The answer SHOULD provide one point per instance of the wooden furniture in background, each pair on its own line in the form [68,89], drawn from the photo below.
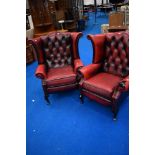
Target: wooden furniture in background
[42,15]
[47,13]
[30,57]
[117,22]
[29,54]
[125,8]
[106,8]
[27,22]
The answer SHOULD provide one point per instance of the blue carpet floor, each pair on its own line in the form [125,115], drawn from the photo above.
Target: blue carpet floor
[67,127]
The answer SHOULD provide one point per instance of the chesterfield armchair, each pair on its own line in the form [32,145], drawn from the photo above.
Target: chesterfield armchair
[107,78]
[58,61]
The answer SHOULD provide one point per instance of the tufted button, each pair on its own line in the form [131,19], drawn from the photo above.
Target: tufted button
[120,46]
[119,69]
[123,54]
[52,57]
[61,50]
[54,51]
[105,66]
[113,44]
[115,53]
[56,44]
[107,51]
[56,61]
[112,68]
[125,61]
[117,61]
[110,59]
[62,61]
[65,53]
[58,56]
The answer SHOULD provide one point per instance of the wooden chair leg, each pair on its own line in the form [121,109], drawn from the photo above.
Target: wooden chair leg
[45,92]
[114,110]
[47,99]
[81,98]
[114,116]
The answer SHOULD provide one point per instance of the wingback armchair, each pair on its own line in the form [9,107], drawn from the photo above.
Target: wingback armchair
[107,77]
[58,61]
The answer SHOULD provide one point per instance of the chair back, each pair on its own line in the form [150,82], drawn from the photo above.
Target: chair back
[116,53]
[57,49]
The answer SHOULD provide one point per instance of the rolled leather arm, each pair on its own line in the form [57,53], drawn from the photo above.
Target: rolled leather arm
[123,86]
[40,72]
[89,71]
[77,65]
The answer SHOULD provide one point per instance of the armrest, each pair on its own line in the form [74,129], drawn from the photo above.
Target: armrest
[75,41]
[122,86]
[36,43]
[77,65]
[90,70]
[40,72]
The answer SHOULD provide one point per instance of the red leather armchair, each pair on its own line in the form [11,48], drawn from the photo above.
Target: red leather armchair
[58,61]
[107,77]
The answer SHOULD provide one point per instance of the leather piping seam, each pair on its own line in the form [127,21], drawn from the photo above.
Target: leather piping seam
[95,87]
[60,78]
[61,86]
[97,95]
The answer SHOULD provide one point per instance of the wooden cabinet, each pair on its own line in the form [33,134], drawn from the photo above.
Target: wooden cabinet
[30,57]
[46,14]
[29,54]
[42,11]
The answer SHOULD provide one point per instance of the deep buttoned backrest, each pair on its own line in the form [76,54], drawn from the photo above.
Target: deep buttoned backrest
[57,49]
[116,53]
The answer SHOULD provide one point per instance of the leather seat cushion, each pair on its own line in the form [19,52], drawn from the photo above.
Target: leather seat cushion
[102,84]
[60,76]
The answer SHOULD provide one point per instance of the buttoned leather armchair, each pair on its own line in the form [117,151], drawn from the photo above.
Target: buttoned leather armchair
[58,61]
[107,78]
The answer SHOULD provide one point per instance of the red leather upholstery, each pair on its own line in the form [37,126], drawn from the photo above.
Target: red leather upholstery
[57,49]
[41,72]
[37,45]
[97,98]
[116,48]
[126,82]
[60,76]
[107,77]
[90,70]
[97,43]
[102,84]
[77,64]
[58,60]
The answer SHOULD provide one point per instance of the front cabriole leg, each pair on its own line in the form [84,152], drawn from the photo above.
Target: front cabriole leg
[45,91]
